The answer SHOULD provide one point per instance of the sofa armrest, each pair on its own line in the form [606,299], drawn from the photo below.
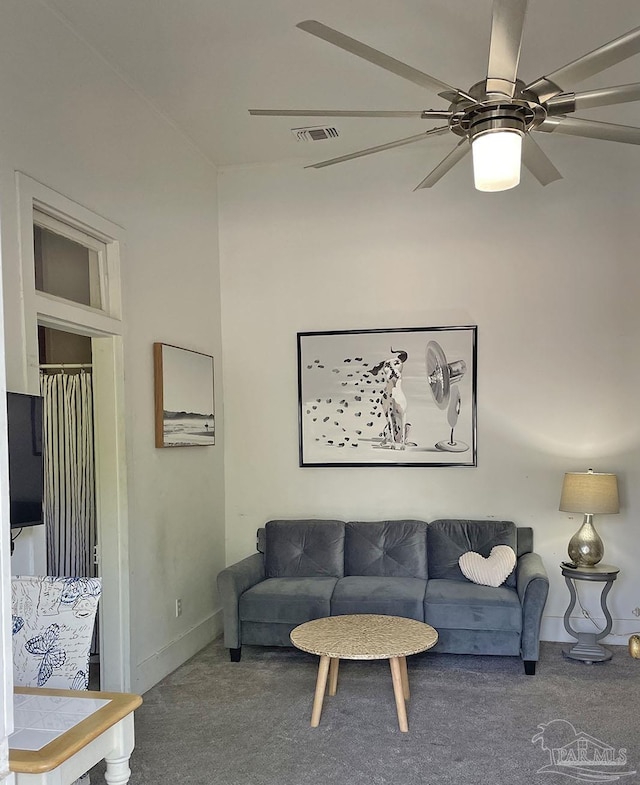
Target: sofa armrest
[532,584]
[232,582]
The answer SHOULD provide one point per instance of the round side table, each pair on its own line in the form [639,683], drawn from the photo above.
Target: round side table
[587,647]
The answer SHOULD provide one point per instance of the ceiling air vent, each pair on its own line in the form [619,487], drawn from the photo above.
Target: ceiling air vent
[314,133]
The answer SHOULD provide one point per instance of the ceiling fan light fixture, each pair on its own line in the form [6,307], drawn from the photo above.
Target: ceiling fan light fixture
[495,113]
[496,159]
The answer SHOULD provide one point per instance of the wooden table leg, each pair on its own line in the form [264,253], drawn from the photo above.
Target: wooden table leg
[321,686]
[396,676]
[405,677]
[333,675]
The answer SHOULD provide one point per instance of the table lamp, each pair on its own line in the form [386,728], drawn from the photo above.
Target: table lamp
[591,493]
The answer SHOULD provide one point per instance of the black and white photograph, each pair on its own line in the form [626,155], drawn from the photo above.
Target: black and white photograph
[184,397]
[388,397]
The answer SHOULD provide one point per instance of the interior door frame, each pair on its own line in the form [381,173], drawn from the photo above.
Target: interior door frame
[105,330]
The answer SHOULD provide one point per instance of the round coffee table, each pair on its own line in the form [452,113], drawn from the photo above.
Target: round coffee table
[363,636]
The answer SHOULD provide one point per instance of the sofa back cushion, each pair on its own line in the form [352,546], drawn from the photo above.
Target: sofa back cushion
[304,549]
[388,549]
[524,536]
[449,539]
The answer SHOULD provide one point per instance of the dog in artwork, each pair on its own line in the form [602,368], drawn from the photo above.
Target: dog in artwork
[394,401]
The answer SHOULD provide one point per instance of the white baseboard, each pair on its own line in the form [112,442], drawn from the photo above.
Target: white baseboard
[153,669]
[552,629]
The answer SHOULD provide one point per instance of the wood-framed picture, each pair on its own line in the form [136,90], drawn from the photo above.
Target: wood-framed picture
[184,397]
[396,397]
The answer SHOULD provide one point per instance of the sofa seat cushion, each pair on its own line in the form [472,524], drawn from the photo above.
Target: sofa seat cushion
[304,549]
[288,600]
[386,548]
[450,538]
[373,594]
[462,605]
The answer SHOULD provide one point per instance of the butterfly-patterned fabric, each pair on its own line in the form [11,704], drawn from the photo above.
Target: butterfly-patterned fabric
[53,620]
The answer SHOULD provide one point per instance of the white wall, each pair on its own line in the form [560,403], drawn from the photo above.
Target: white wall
[550,276]
[69,122]
[6,677]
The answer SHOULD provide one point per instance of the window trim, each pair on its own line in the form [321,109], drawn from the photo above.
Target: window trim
[36,198]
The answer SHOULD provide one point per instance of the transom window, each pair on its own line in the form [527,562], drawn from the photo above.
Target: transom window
[69,263]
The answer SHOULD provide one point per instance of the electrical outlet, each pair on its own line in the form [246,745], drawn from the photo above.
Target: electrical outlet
[178,608]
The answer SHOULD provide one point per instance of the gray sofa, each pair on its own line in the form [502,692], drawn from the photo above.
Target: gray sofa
[307,569]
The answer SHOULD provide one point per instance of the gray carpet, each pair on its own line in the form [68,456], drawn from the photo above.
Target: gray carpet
[471,720]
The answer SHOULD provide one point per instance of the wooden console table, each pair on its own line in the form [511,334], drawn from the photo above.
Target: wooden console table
[61,734]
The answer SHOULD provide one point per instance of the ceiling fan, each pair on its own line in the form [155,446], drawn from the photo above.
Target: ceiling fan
[496,116]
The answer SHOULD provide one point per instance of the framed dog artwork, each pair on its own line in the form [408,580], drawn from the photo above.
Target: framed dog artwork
[397,397]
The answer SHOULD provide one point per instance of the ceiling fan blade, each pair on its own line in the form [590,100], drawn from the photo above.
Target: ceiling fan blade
[420,114]
[507,26]
[592,129]
[374,56]
[605,96]
[457,154]
[379,148]
[538,163]
[589,64]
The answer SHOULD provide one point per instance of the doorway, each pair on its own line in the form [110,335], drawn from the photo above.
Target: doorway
[108,549]
[66,387]
[72,311]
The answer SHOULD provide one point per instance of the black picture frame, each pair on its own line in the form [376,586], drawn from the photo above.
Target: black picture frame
[388,397]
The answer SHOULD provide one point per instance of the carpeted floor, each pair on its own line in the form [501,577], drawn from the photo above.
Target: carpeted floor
[471,721]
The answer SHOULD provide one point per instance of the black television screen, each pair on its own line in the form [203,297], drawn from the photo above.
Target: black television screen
[26,468]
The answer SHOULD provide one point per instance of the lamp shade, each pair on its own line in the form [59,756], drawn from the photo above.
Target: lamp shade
[496,160]
[591,493]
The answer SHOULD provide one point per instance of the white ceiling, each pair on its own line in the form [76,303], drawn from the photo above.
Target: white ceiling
[204,63]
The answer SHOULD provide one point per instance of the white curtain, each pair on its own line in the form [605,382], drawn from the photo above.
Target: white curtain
[69,486]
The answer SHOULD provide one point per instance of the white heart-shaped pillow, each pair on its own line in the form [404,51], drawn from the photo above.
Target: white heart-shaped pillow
[492,571]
